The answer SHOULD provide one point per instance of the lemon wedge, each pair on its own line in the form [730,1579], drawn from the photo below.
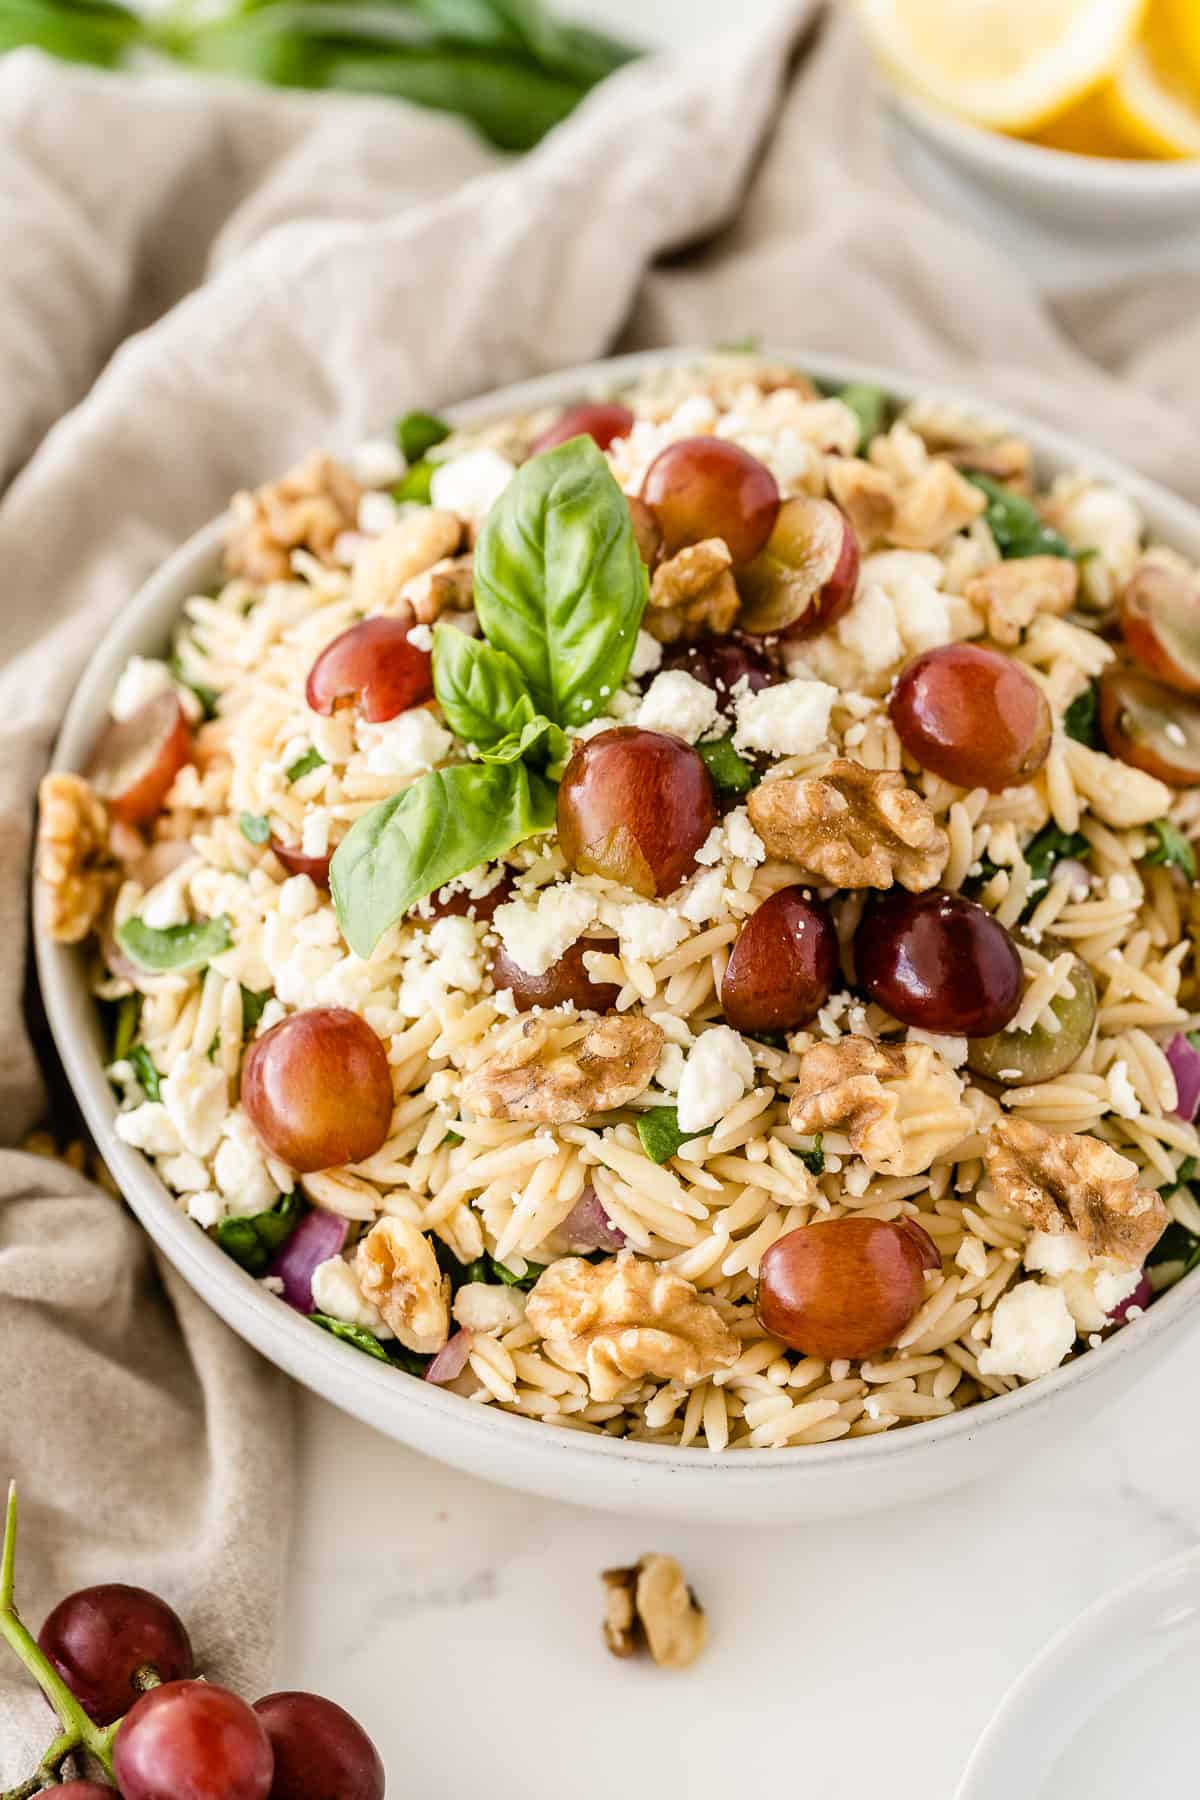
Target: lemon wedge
[1153,104]
[1181,27]
[1089,128]
[1010,64]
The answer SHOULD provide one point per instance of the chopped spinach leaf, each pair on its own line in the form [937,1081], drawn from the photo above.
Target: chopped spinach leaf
[870,406]
[304,765]
[418,432]
[126,1014]
[416,484]
[1014,523]
[1081,720]
[174,949]
[660,1133]
[1173,850]
[1052,846]
[511,1279]
[211,1052]
[814,1157]
[253,1242]
[731,773]
[146,1072]
[254,827]
[253,1007]
[207,696]
[366,1341]
[411,1361]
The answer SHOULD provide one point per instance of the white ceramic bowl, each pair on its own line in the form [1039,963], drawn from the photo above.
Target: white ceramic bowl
[1108,1709]
[659,1480]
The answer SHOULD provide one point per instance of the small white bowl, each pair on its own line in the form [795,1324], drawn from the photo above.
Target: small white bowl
[1108,1708]
[766,1486]
[1118,205]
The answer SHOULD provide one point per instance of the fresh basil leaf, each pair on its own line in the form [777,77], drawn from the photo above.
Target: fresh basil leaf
[147,1074]
[510,1278]
[731,773]
[1014,522]
[304,765]
[481,691]
[366,1341]
[126,1014]
[174,949]
[411,1361]
[253,1242]
[1081,720]
[1052,846]
[559,584]
[418,432]
[870,406]
[253,1007]
[660,1133]
[541,743]
[254,827]
[814,1157]
[1173,850]
[442,825]
[416,484]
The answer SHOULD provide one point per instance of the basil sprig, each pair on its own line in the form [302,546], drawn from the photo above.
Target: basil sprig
[559,591]
[174,949]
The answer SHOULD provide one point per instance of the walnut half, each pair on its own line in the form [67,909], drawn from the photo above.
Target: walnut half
[622,1319]
[852,827]
[900,1105]
[546,1078]
[75,868]
[1013,593]
[693,593]
[919,514]
[307,509]
[1062,1181]
[398,1272]
[651,1605]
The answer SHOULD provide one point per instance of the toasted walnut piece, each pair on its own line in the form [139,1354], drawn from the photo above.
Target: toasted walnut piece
[406,549]
[1119,795]
[853,827]
[915,514]
[1063,1181]
[1009,460]
[449,586]
[866,495]
[622,1319]
[900,1105]
[539,1077]
[651,1604]
[1012,594]
[398,1272]
[75,869]
[307,510]
[693,593]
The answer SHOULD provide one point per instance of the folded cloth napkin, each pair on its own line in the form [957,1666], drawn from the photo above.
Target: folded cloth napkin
[201,282]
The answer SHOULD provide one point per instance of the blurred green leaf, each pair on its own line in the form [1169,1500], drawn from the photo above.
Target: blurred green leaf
[87,31]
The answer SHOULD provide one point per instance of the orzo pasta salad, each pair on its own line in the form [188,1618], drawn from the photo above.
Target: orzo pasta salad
[672,918]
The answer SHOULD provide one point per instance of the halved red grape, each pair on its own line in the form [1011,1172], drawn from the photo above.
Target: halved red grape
[565,983]
[706,487]
[192,1740]
[973,716]
[846,1288]
[722,663]
[603,421]
[635,806]
[318,1090]
[321,1753]
[646,530]
[806,577]
[373,666]
[939,962]
[461,905]
[783,964]
[101,1636]
[1160,617]
[138,758]
[1151,727]
[296,863]
[86,1790]
[1018,1058]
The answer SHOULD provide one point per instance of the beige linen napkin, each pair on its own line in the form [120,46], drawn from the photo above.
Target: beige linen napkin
[198,284]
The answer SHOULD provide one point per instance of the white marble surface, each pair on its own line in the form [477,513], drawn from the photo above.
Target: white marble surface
[461,1621]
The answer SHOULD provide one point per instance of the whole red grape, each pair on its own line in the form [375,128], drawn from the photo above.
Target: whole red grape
[604,422]
[635,806]
[565,983]
[939,962]
[973,716]
[321,1753]
[846,1288]
[375,666]
[318,1090]
[191,1740]
[99,1637]
[707,487]
[783,964]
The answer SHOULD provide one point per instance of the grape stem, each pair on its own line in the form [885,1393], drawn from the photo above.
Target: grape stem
[79,1732]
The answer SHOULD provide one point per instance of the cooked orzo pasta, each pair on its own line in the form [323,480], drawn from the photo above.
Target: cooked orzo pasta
[672,919]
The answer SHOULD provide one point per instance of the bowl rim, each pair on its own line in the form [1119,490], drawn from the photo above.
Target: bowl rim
[263,1319]
[1130,177]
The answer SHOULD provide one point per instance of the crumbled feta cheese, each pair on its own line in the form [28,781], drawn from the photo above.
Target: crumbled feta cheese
[869,630]
[1121,1096]
[1056,1253]
[790,719]
[922,613]
[166,903]
[407,745]
[536,935]
[205,1208]
[856,1179]
[744,843]
[314,832]
[718,1071]
[143,678]
[471,484]
[377,462]
[337,1294]
[971,1257]
[673,1028]
[677,703]
[148,1127]
[377,513]
[196,1096]
[240,1169]
[1092,1294]
[713,848]
[669,1073]
[482,1306]
[185,1173]
[1032,1331]
[421,638]
[647,655]
[704,899]
[458,959]
[647,931]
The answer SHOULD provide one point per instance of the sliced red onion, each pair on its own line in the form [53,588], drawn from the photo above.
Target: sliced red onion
[318,1236]
[1141,1297]
[588,1227]
[1076,874]
[451,1359]
[1185,1066]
